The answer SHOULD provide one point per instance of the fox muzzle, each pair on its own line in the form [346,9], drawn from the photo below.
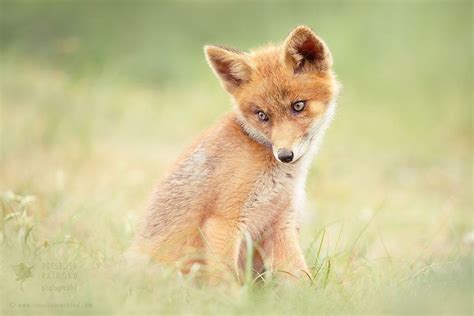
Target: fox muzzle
[285,155]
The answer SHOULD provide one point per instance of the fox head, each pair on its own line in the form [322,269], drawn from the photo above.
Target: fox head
[283,95]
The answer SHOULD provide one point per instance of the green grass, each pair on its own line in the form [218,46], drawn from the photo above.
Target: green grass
[97,100]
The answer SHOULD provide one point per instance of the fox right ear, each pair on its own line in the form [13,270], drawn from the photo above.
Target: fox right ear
[230,66]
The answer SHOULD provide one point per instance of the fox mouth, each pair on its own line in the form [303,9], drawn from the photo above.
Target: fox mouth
[293,155]
[286,156]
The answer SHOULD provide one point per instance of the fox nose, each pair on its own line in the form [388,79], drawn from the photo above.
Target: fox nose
[285,155]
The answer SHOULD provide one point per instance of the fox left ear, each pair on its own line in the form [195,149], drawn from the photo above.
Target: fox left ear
[305,51]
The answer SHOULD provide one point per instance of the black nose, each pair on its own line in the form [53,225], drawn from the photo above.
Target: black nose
[285,155]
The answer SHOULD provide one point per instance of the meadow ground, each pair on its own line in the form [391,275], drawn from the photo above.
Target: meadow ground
[98,99]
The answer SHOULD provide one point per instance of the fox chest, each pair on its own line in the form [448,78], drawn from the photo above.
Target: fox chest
[270,197]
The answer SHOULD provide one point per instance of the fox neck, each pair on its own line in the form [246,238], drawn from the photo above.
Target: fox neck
[251,132]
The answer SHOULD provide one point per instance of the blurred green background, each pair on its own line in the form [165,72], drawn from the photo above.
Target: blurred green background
[99,97]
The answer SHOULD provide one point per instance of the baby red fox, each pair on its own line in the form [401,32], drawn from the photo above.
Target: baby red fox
[246,175]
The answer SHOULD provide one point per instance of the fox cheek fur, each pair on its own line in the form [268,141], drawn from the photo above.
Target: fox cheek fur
[246,175]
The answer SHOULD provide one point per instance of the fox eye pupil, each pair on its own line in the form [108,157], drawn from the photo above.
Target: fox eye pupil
[299,106]
[262,116]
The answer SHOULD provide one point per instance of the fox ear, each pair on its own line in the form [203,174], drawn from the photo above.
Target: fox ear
[305,51]
[230,66]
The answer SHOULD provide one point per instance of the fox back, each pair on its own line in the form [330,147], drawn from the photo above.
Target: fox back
[245,176]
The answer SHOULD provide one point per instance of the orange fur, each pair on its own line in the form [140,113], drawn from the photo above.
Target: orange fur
[231,181]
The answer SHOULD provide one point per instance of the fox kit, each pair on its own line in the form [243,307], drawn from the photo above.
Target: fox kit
[246,175]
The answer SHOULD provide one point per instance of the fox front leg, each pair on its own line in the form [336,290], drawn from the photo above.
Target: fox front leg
[222,239]
[283,253]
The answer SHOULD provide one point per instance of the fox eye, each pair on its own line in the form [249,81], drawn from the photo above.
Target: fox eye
[262,116]
[298,106]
